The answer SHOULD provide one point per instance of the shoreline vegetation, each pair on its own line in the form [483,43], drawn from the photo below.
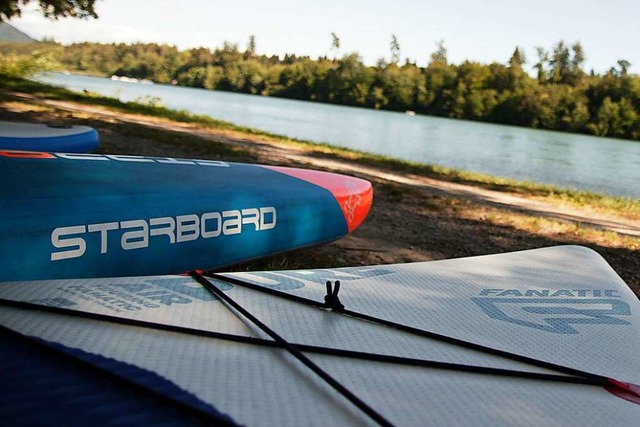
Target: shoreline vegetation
[616,205]
[562,96]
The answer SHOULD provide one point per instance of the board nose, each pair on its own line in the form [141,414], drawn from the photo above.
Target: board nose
[354,195]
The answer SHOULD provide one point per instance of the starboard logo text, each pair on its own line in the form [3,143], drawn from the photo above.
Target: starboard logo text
[554,310]
[137,233]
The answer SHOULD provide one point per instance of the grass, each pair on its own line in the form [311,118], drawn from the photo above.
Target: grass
[621,206]
[551,228]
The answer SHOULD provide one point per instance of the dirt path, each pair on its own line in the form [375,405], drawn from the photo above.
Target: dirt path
[414,218]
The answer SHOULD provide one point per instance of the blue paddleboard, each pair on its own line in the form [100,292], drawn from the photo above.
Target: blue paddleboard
[91,215]
[42,137]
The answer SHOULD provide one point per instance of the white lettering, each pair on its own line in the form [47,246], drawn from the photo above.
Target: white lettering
[135,239]
[184,228]
[251,216]
[233,225]
[171,160]
[103,229]
[203,225]
[266,214]
[80,156]
[215,163]
[127,158]
[188,228]
[76,242]
[124,158]
[168,230]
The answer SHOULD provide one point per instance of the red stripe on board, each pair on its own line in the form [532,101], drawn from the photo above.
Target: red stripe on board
[354,195]
[26,155]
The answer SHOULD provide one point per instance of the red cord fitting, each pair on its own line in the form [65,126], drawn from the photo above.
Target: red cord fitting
[626,391]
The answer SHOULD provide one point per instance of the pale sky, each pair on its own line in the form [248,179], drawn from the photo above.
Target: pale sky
[478,30]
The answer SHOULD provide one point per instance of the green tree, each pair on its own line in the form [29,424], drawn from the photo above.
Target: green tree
[22,66]
[578,58]
[253,77]
[395,49]
[576,73]
[193,77]
[397,86]
[608,117]
[53,9]
[251,47]
[440,55]
[511,80]
[229,54]
[541,65]
[560,63]
[335,47]
[354,81]
[440,84]
[624,66]
[517,60]
[617,119]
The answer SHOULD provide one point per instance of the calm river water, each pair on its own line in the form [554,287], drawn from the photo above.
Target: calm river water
[604,165]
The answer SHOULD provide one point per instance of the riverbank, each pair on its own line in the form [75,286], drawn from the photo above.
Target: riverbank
[420,212]
[150,105]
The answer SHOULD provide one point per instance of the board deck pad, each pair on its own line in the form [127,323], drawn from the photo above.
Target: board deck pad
[562,305]
[92,215]
[47,137]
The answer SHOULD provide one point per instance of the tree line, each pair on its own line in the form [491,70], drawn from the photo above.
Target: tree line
[559,96]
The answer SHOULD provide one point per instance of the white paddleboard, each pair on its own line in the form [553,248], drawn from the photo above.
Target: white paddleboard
[561,305]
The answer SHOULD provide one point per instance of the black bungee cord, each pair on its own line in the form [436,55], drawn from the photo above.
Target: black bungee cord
[332,302]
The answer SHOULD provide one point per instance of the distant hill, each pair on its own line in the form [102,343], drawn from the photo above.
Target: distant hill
[9,33]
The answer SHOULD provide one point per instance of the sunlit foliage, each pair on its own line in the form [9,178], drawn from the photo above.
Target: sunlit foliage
[558,94]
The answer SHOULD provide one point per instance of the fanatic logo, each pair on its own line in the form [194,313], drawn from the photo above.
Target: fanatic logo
[554,310]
